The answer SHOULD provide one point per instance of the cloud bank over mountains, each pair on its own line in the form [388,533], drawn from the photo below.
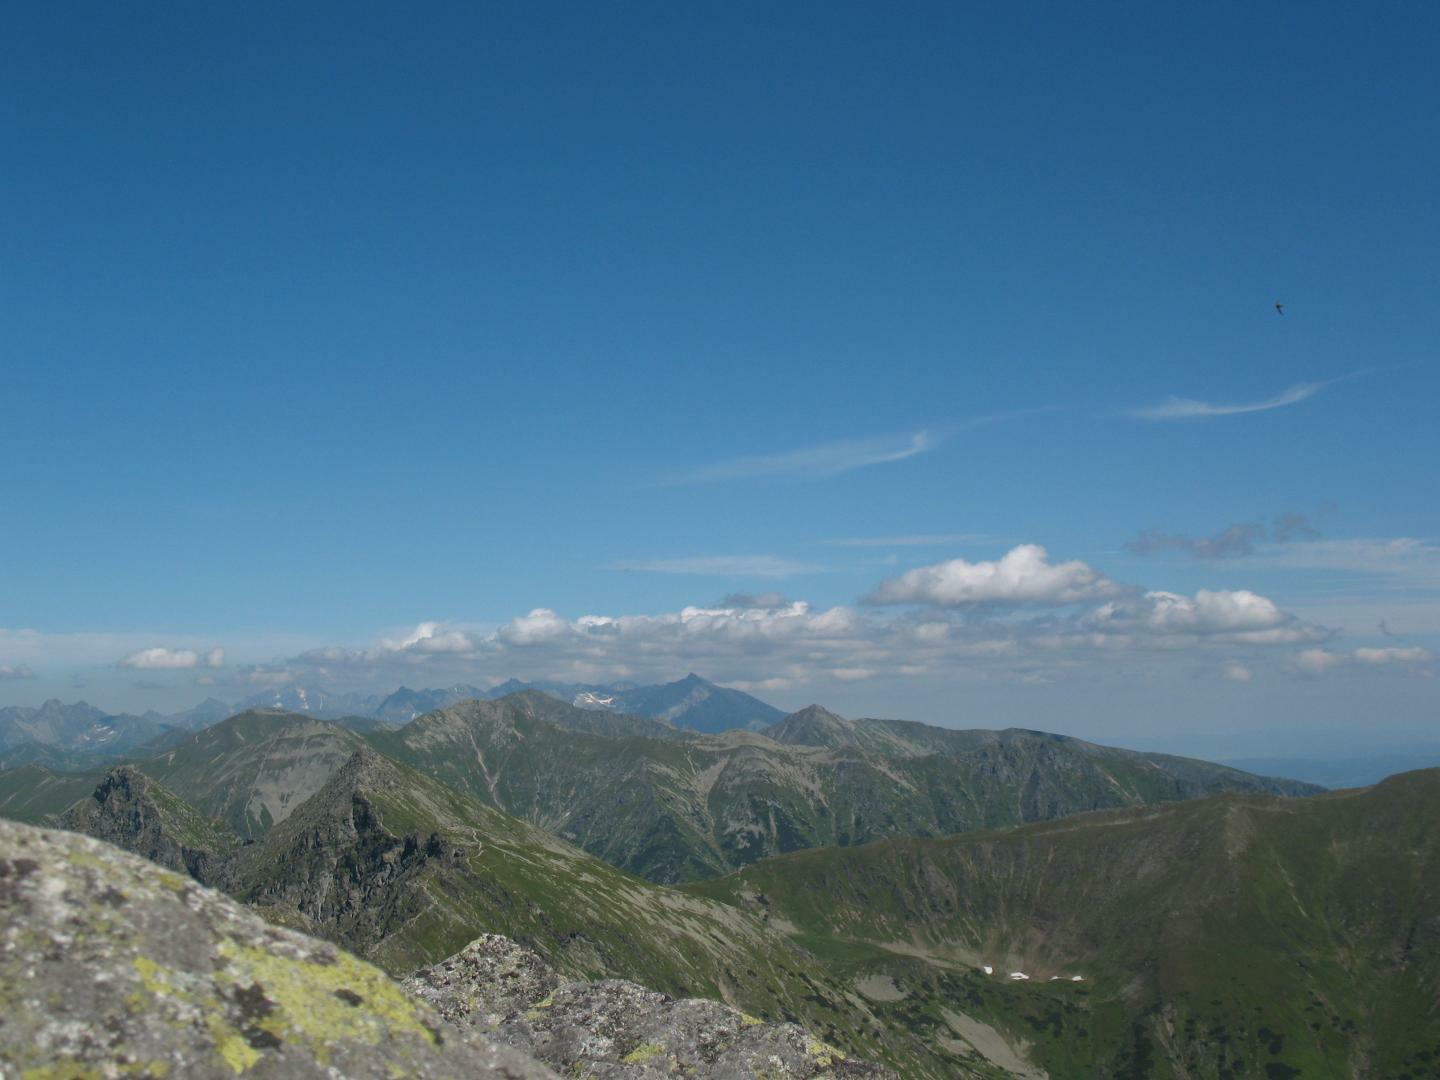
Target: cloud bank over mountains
[1022,616]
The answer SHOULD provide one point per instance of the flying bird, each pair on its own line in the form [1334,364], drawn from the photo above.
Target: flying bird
[1279,308]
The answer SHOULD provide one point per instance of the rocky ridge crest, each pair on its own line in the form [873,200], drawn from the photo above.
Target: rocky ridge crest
[614,1029]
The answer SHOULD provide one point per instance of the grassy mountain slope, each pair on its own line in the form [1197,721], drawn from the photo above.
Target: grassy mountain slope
[404,871]
[252,770]
[1226,937]
[673,806]
[35,794]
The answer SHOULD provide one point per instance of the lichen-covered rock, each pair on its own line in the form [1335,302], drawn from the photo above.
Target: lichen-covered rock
[112,966]
[616,1029]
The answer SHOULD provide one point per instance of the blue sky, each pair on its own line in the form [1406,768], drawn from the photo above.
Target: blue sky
[321,325]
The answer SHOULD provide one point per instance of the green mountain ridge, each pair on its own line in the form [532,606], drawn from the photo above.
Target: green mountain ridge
[1233,936]
[674,806]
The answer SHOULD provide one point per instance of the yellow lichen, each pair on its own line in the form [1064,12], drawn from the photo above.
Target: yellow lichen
[824,1055]
[237,1053]
[307,1005]
[642,1053]
[750,1021]
[173,882]
[151,975]
[153,1070]
[69,1070]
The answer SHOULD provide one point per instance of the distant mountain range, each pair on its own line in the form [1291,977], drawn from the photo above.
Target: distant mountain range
[81,736]
[1202,927]
[660,801]
[69,736]
[691,702]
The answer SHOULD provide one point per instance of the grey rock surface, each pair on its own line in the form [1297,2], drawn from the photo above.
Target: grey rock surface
[111,966]
[617,1029]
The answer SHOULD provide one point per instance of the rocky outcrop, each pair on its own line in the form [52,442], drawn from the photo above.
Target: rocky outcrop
[134,813]
[110,966]
[616,1029]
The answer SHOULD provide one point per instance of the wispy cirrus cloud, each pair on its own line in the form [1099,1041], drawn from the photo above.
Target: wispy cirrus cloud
[846,455]
[815,462]
[15,671]
[764,566]
[1178,408]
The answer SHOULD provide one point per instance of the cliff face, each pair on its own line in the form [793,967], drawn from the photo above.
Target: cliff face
[134,813]
[615,1028]
[110,965]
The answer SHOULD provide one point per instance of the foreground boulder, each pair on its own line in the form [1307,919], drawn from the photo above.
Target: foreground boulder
[616,1029]
[110,965]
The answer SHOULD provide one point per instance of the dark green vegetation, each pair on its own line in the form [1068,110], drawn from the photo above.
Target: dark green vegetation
[1228,937]
[674,806]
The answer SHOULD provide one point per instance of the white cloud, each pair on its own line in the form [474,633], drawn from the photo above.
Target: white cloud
[826,459]
[1320,661]
[161,659]
[1176,408]
[1229,615]
[15,671]
[539,627]
[763,566]
[431,637]
[1235,671]
[1413,655]
[1024,575]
